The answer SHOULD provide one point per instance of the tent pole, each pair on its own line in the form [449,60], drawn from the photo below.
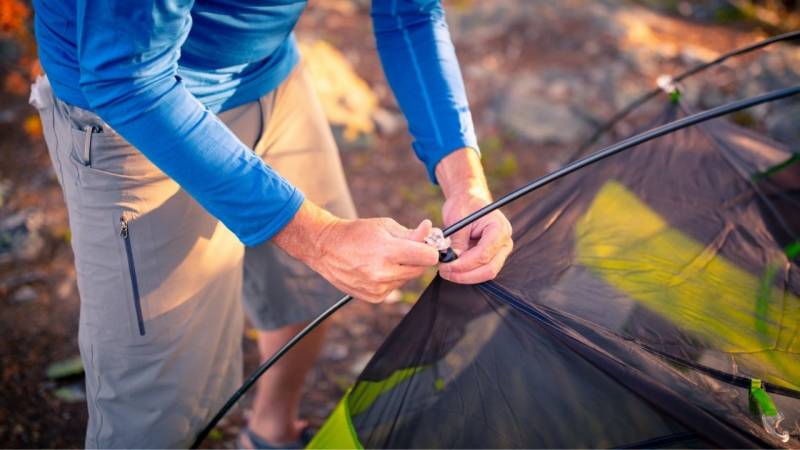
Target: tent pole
[514,195]
[647,96]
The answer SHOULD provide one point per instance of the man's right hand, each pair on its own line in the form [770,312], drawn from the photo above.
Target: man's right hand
[366,258]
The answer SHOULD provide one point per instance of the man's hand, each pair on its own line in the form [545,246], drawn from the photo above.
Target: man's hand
[484,245]
[366,258]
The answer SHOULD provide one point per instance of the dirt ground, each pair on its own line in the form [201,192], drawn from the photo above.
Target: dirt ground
[578,60]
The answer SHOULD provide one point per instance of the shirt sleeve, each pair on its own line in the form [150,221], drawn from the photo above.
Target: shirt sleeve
[420,63]
[128,53]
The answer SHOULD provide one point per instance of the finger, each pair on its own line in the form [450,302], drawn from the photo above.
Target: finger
[460,241]
[483,273]
[394,228]
[369,298]
[412,253]
[421,232]
[401,273]
[492,239]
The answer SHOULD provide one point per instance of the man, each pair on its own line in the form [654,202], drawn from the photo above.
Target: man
[162,118]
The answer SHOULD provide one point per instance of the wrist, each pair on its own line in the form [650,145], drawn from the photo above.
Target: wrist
[460,174]
[304,236]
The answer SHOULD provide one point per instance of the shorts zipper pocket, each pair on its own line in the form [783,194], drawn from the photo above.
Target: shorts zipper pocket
[125,234]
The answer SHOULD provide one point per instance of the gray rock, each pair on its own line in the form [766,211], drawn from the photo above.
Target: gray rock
[784,125]
[544,122]
[25,294]
[387,122]
[360,363]
[335,351]
[20,237]
[71,393]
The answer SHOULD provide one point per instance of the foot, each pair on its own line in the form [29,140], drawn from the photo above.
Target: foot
[297,437]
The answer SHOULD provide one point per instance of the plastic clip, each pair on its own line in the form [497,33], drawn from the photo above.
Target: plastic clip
[762,405]
[437,240]
[667,84]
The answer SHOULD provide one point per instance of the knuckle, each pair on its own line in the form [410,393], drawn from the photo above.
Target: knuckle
[380,276]
[373,299]
[484,258]
[450,276]
[376,290]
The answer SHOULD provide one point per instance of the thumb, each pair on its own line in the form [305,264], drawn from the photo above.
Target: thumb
[460,241]
[421,232]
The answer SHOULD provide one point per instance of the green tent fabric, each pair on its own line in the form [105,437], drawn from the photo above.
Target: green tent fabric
[652,300]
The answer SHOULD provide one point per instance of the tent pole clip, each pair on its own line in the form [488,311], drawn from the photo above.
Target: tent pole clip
[437,240]
[762,405]
[667,84]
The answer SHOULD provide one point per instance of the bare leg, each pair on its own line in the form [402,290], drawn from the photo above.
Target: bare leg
[277,399]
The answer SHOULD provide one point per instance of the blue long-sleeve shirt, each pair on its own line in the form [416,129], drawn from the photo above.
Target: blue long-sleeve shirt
[158,71]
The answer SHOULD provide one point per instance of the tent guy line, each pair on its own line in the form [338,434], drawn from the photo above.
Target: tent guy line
[503,201]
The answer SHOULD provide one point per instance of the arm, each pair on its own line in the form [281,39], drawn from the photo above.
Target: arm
[128,53]
[421,66]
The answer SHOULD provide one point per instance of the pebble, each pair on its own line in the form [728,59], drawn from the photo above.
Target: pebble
[25,294]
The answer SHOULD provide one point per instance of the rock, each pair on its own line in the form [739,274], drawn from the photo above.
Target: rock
[346,98]
[387,122]
[335,351]
[20,237]
[360,363]
[72,393]
[782,125]
[394,296]
[65,368]
[8,116]
[542,121]
[358,329]
[25,294]
[14,281]
[5,190]
[546,106]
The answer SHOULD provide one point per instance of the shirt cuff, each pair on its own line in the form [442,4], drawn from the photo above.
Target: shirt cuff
[432,156]
[288,211]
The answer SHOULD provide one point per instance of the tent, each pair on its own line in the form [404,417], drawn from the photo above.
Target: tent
[652,300]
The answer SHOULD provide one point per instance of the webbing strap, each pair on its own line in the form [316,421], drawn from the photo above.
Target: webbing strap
[760,401]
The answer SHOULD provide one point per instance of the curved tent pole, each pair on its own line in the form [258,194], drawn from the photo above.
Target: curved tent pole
[647,96]
[626,144]
[503,201]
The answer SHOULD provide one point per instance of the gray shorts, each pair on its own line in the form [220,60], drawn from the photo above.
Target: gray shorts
[160,280]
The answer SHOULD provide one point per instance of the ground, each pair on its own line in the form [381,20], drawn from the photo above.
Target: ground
[541,75]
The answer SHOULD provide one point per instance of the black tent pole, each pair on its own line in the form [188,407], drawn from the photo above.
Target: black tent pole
[626,144]
[647,96]
[530,187]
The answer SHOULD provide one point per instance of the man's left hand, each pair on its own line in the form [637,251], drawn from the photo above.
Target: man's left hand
[484,245]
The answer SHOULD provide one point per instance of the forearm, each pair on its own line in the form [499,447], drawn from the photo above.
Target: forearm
[461,173]
[421,67]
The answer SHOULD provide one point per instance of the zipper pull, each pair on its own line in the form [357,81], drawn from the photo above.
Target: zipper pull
[123,228]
